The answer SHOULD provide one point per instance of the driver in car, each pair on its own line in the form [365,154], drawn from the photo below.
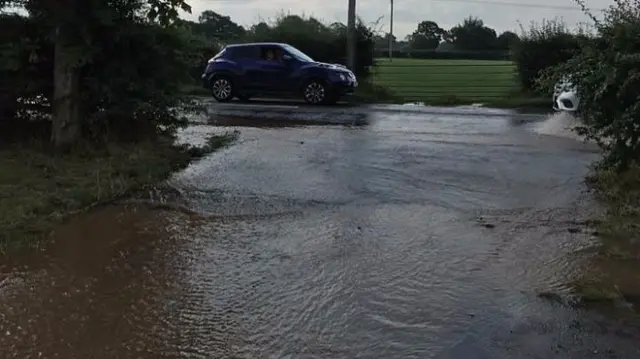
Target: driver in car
[272,55]
[269,55]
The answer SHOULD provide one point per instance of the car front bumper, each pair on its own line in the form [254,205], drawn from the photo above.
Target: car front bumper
[206,81]
[344,90]
[344,87]
[343,83]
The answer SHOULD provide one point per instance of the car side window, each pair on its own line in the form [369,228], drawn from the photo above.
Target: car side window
[271,53]
[244,53]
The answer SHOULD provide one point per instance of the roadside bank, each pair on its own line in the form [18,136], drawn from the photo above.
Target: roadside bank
[614,273]
[38,190]
[369,93]
[609,278]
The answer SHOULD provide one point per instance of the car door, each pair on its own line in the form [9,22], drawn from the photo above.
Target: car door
[247,57]
[276,72]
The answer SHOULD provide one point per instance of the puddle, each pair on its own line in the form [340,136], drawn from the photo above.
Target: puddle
[327,242]
[102,288]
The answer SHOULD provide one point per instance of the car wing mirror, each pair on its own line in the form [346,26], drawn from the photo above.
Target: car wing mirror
[286,57]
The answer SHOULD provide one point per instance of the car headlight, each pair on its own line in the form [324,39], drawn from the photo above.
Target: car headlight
[339,75]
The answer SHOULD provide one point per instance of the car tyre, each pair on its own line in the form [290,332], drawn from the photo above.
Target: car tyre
[315,92]
[222,88]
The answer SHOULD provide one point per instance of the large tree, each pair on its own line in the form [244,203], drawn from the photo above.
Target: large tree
[427,36]
[72,24]
[507,40]
[473,35]
[219,26]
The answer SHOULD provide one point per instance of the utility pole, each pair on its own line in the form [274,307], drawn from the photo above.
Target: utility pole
[351,35]
[391,34]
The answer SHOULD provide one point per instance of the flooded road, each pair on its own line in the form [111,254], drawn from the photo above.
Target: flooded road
[419,235]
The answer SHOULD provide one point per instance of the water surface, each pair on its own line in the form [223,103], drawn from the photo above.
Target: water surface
[419,235]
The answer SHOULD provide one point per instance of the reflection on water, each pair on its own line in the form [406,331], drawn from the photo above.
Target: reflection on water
[102,289]
[281,122]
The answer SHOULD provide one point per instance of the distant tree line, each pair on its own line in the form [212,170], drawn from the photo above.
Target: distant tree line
[471,39]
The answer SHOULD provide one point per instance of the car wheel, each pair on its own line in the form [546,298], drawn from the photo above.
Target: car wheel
[222,88]
[315,92]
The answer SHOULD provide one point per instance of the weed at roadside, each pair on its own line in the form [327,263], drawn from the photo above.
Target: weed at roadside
[38,189]
[620,195]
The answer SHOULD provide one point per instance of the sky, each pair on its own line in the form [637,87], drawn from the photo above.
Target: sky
[499,14]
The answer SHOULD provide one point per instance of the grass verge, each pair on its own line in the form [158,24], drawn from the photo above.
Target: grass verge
[38,190]
[454,83]
[371,93]
[614,273]
[424,79]
[368,92]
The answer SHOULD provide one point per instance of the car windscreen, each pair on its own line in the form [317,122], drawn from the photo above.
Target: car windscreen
[220,54]
[299,55]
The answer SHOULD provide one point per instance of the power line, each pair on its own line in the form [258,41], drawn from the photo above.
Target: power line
[480,2]
[506,3]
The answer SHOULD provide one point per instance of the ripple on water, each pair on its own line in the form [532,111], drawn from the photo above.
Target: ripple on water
[330,273]
[374,253]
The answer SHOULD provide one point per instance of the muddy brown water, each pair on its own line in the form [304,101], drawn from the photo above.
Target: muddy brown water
[416,236]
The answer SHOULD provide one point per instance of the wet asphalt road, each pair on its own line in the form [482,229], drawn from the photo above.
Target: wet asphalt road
[415,235]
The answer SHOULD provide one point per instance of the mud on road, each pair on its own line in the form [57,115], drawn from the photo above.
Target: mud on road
[413,235]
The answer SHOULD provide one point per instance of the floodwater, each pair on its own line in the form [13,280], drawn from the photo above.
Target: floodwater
[418,235]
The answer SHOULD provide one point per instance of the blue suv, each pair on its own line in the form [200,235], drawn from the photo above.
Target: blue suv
[275,70]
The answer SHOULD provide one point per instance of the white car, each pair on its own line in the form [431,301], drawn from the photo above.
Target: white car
[565,97]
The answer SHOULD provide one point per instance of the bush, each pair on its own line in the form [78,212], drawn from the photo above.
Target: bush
[131,78]
[205,45]
[133,86]
[26,66]
[542,47]
[606,72]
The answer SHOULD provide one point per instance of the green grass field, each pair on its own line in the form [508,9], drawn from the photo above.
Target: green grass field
[447,81]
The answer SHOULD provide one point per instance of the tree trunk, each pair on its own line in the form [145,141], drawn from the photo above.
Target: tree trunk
[65,131]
